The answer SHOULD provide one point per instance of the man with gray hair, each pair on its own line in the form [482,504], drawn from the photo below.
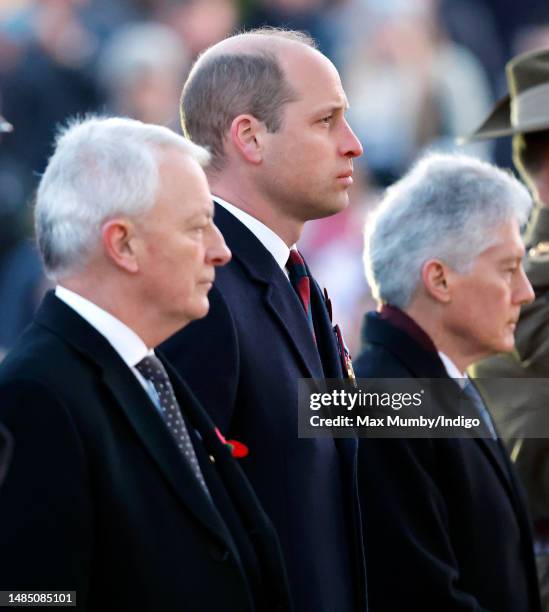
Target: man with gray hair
[121,491]
[271,109]
[445,515]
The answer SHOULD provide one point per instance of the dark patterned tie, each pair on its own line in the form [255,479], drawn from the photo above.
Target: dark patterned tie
[152,369]
[301,283]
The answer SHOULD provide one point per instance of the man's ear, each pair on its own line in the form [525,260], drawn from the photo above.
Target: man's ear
[435,277]
[119,238]
[246,134]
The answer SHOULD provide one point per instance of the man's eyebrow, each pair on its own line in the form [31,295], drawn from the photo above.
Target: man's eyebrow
[323,111]
[513,258]
[330,107]
[200,215]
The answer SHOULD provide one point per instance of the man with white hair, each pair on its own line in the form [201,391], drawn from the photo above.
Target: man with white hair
[445,521]
[120,487]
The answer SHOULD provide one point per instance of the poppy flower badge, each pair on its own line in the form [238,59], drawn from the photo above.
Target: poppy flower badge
[236,448]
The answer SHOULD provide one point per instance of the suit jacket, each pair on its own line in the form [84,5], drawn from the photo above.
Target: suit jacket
[247,356]
[98,498]
[445,520]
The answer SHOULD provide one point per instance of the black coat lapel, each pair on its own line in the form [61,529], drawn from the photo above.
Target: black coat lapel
[279,297]
[134,402]
[151,430]
[325,336]
[233,477]
[236,484]
[497,455]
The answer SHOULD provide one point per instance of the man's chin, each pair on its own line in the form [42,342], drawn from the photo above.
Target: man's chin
[198,311]
[507,345]
[331,208]
[204,310]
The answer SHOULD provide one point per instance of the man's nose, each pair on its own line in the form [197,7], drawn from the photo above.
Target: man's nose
[525,294]
[218,253]
[350,146]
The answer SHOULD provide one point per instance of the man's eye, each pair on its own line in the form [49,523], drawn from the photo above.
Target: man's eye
[326,119]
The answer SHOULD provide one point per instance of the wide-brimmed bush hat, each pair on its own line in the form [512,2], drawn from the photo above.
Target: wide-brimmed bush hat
[526,107]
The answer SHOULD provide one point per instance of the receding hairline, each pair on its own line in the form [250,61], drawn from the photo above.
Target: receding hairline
[263,42]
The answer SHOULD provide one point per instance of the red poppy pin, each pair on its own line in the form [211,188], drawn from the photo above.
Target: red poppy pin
[238,450]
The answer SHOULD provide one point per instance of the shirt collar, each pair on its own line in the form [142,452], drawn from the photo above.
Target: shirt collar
[452,370]
[123,339]
[271,241]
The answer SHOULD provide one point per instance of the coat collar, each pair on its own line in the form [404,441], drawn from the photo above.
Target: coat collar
[134,403]
[420,361]
[279,297]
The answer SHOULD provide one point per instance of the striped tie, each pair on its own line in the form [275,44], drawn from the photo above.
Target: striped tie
[301,283]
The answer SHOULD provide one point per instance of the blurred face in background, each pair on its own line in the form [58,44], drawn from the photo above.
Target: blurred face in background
[202,23]
[153,98]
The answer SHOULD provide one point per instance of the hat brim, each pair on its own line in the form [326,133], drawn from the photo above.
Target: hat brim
[498,124]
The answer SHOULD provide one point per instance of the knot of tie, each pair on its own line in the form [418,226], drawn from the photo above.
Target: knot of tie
[151,368]
[296,264]
[299,278]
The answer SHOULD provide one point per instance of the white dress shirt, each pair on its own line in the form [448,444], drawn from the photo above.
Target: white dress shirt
[462,379]
[271,241]
[452,370]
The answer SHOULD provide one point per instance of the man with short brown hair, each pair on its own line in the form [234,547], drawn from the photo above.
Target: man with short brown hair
[271,109]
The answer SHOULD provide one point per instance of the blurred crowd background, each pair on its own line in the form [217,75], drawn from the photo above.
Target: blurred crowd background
[417,73]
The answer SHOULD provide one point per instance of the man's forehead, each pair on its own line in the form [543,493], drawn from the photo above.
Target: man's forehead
[507,243]
[315,77]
